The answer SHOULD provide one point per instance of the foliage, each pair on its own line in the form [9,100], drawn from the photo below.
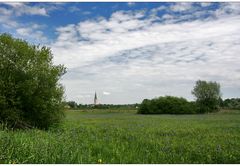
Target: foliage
[208,96]
[74,105]
[71,104]
[30,95]
[116,106]
[167,105]
[87,137]
[233,103]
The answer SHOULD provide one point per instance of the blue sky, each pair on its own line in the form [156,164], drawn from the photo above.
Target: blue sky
[130,51]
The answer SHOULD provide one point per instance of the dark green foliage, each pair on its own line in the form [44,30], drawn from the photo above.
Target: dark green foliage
[208,96]
[167,105]
[30,95]
[72,104]
[115,106]
[233,103]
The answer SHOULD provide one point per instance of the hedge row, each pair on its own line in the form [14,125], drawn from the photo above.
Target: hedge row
[168,105]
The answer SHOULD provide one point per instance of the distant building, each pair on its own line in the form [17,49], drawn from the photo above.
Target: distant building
[95,102]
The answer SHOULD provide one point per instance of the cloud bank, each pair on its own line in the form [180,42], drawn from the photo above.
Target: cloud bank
[137,54]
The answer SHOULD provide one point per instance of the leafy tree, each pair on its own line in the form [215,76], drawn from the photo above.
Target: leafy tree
[208,96]
[30,94]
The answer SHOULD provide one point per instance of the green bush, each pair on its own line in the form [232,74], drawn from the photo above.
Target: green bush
[167,105]
[233,103]
[30,95]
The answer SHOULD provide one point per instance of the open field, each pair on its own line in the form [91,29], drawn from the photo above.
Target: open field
[125,137]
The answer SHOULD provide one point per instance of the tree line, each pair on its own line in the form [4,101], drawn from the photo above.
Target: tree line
[76,106]
[207,99]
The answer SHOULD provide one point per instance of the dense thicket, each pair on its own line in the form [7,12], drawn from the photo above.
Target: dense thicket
[30,94]
[233,103]
[167,105]
[208,96]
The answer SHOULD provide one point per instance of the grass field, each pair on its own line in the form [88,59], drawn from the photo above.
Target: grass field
[126,137]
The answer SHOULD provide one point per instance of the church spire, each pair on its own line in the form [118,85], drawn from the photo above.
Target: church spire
[95,99]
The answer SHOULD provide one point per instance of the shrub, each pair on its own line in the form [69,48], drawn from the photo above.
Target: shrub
[233,103]
[167,105]
[30,94]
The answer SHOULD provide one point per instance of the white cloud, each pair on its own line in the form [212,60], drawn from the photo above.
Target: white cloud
[156,10]
[7,22]
[180,7]
[205,4]
[131,33]
[86,12]
[24,9]
[74,9]
[32,32]
[4,11]
[106,93]
[136,57]
[32,11]
[27,30]
[130,4]
[228,9]
[14,4]
[24,31]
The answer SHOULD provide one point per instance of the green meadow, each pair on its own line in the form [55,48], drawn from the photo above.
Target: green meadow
[103,136]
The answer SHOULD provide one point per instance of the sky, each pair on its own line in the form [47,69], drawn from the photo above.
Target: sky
[129,51]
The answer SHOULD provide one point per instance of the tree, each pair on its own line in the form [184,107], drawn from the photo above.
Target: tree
[207,95]
[30,94]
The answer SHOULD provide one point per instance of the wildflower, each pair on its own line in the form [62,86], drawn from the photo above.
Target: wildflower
[99,161]
[12,162]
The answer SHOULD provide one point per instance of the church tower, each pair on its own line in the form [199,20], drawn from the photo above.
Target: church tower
[95,99]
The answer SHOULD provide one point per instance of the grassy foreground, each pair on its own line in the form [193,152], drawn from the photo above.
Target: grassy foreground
[126,137]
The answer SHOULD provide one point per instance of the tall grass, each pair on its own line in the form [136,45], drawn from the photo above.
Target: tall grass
[103,137]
